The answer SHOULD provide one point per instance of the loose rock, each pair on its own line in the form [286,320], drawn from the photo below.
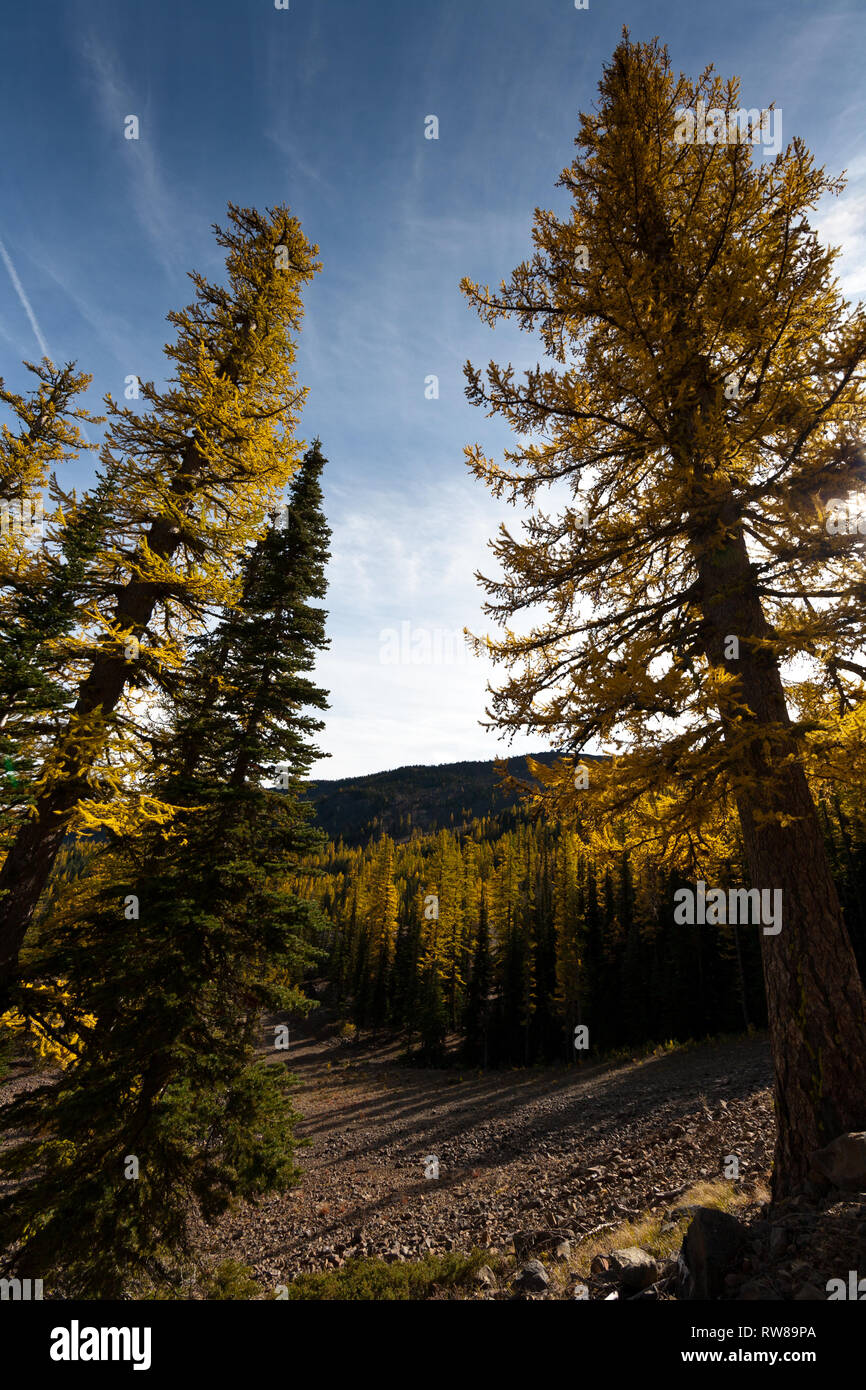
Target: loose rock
[712,1244]
[532,1278]
[633,1268]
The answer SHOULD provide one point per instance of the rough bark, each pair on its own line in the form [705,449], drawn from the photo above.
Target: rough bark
[815,997]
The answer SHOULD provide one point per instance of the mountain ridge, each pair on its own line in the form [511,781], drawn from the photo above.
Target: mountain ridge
[418,797]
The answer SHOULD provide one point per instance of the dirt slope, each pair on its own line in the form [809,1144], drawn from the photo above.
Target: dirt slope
[573,1147]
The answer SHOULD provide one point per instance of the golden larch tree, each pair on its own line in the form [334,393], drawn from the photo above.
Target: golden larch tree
[697,408]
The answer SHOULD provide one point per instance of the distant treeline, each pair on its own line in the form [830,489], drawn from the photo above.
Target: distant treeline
[510,938]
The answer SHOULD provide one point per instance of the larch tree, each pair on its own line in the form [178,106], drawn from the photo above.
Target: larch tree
[381,931]
[40,574]
[699,405]
[197,472]
[478,995]
[42,613]
[47,432]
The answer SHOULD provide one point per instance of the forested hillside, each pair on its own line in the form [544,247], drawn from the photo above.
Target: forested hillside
[499,942]
[408,800]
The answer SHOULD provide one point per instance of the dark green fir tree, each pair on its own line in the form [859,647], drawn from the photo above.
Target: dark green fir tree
[183,938]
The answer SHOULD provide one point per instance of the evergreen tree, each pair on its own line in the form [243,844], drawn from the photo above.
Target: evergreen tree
[196,475]
[433,1021]
[180,939]
[477,1010]
[405,973]
[568,974]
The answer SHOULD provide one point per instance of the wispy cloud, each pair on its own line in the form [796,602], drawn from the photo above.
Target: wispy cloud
[155,208]
[841,222]
[290,149]
[106,324]
[27,306]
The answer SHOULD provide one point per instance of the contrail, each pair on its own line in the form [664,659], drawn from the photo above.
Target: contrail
[28,308]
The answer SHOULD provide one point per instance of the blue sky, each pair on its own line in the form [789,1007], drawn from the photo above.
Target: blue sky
[323,106]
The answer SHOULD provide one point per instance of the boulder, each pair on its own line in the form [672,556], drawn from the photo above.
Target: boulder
[843,1162]
[712,1244]
[633,1268]
[532,1278]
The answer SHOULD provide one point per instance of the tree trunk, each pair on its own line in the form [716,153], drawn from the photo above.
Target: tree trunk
[815,997]
[27,868]
[742,980]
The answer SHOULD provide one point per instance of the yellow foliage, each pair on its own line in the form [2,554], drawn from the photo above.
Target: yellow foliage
[45,1031]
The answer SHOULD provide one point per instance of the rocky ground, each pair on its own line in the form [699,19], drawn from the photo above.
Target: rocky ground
[562,1174]
[578,1149]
